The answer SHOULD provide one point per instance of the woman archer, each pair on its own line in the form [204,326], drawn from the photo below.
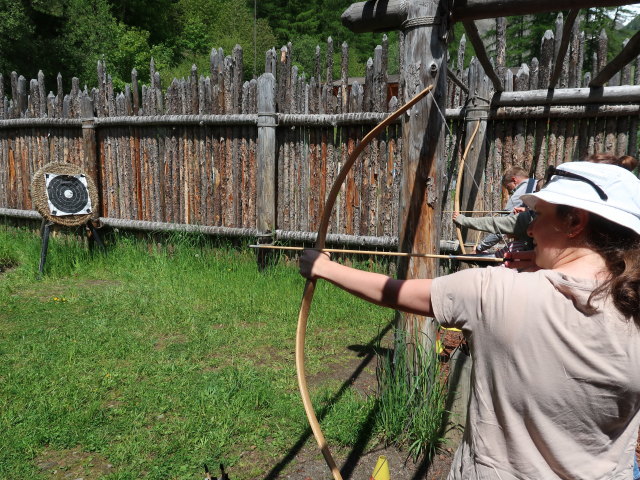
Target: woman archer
[556,371]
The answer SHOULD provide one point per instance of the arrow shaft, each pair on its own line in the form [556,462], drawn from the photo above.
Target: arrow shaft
[388,254]
[478,211]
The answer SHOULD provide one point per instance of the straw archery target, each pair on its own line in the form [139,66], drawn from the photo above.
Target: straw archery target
[62,193]
[67,194]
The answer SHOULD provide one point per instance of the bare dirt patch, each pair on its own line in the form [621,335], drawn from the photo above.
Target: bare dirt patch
[67,289]
[6,264]
[163,342]
[101,282]
[73,464]
[357,368]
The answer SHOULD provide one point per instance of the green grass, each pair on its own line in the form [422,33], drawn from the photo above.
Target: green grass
[158,359]
[412,398]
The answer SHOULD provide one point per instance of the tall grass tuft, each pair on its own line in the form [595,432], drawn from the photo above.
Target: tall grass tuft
[412,396]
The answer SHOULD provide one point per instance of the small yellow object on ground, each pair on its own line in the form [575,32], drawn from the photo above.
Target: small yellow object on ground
[381,472]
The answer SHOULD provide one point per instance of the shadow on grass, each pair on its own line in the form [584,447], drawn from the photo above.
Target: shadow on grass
[368,353]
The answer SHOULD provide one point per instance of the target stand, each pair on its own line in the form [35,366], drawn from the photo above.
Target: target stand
[66,196]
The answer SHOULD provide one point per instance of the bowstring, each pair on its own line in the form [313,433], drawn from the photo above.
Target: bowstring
[444,120]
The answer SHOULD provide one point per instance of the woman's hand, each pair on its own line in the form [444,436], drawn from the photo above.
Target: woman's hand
[311,262]
[522,261]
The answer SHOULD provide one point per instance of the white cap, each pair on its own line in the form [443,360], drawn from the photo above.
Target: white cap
[620,186]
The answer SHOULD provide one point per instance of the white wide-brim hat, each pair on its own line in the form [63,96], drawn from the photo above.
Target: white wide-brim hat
[584,189]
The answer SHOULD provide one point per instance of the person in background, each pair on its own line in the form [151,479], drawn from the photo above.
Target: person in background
[555,388]
[513,226]
[517,182]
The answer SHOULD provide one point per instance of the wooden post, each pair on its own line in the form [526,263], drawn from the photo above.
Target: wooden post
[501,48]
[423,155]
[423,60]
[478,111]
[266,219]
[89,145]
[21,101]
[344,78]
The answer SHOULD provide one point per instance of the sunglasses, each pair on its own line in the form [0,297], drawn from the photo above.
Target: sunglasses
[552,170]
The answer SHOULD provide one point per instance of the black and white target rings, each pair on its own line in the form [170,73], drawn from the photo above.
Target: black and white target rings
[67,194]
[63,194]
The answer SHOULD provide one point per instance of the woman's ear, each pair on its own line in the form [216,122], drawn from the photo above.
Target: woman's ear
[578,221]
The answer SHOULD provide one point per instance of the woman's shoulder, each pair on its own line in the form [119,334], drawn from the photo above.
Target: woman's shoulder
[540,278]
[486,278]
[501,277]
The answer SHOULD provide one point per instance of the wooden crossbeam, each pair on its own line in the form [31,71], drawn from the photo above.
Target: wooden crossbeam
[566,111]
[564,46]
[481,54]
[568,96]
[375,16]
[630,51]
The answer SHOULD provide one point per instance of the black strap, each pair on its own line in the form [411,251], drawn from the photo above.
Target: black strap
[531,185]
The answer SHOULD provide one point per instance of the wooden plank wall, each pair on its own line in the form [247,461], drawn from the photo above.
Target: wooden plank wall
[310,157]
[202,174]
[206,174]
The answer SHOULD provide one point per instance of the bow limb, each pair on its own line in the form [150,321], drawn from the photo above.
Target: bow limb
[309,287]
[456,200]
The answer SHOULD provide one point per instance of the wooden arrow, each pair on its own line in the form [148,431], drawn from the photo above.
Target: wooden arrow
[471,258]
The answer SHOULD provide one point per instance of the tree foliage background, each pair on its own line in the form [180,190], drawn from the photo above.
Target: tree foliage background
[70,36]
[524,33]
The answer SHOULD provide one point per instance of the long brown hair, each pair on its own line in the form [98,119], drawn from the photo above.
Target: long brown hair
[619,246]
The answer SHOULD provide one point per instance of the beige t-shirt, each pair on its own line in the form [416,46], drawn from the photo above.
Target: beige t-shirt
[555,386]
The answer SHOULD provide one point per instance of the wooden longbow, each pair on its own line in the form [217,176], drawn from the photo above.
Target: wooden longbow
[310,285]
[456,199]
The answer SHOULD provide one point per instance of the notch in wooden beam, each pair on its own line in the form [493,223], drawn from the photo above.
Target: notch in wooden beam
[457,81]
[630,51]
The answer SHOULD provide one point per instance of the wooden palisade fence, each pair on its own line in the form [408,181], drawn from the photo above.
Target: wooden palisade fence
[244,158]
